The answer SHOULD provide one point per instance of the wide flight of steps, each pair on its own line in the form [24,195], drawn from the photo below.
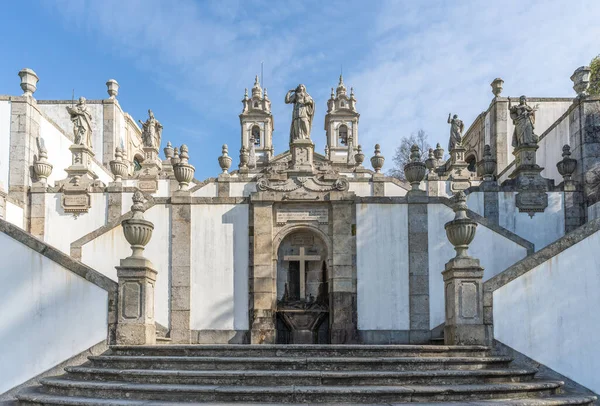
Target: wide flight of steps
[340,374]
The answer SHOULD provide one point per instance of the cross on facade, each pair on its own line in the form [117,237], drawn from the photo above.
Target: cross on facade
[302,258]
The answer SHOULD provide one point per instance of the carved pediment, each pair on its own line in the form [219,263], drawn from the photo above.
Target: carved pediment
[303,183]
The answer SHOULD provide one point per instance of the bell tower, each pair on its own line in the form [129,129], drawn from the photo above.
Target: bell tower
[341,125]
[256,123]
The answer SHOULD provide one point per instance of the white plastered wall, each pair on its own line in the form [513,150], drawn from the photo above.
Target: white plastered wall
[550,313]
[220,243]
[382,266]
[494,251]
[208,190]
[361,188]
[475,202]
[105,252]
[15,215]
[550,150]
[5,109]
[542,228]
[241,189]
[393,190]
[51,313]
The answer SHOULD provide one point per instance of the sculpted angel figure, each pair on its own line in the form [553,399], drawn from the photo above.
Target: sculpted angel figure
[523,117]
[151,131]
[303,113]
[82,123]
[456,129]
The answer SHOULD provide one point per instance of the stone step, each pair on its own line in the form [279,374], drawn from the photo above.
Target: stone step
[295,377]
[301,394]
[298,363]
[303,351]
[34,397]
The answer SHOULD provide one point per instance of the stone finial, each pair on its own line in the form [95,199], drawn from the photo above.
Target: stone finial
[244,158]
[489,164]
[225,159]
[332,93]
[415,170]
[112,88]
[118,167]
[246,93]
[41,167]
[256,89]
[377,160]
[567,166]
[29,80]
[431,162]
[137,230]
[581,80]
[266,95]
[175,159]
[184,172]
[168,150]
[497,86]
[359,157]
[341,88]
[438,152]
[461,230]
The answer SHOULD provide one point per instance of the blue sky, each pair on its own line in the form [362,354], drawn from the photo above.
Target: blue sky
[410,62]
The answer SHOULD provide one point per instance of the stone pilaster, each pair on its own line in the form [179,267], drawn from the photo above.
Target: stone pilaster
[342,279]
[136,325]
[418,267]
[378,181]
[115,200]
[111,138]
[37,222]
[262,283]
[223,183]
[181,232]
[499,136]
[575,214]
[491,209]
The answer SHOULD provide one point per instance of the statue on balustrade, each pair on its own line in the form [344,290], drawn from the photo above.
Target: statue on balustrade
[456,129]
[151,131]
[82,123]
[303,113]
[523,117]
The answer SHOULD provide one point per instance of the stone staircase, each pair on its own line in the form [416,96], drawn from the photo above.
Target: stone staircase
[343,374]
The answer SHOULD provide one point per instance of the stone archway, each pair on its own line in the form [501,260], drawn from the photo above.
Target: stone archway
[302,312]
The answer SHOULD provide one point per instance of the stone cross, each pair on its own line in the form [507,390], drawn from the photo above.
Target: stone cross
[302,258]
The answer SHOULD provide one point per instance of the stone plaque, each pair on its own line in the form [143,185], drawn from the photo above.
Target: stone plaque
[76,203]
[303,240]
[132,300]
[148,185]
[286,214]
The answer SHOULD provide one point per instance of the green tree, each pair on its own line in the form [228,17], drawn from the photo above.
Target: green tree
[595,77]
[402,154]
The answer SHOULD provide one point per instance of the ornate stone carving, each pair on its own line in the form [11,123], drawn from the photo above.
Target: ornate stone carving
[225,159]
[29,81]
[359,157]
[137,231]
[82,123]
[415,170]
[461,230]
[438,152]
[184,172]
[581,80]
[118,167]
[377,160]
[169,151]
[456,129]
[523,117]
[41,167]
[567,166]
[244,159]
[431,162]
[303,113]
[112,88]
[151,131]
[489,164]
[175,159]
[497,85]
[311,184]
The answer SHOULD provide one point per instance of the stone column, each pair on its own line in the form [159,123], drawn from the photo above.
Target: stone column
[137,278]
[181,260]
[262,283]
[342,282]
[115,200]
[499,137]
[111,138]
[463,287]
[37,223]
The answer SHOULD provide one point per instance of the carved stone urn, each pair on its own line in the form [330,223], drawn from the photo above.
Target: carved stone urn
[461,230]
[225,159]
[42,167]
[118,166]
[489,163]
[430,162]
[497,86]
[137,230]
[244,158]
[29,81]
[112,88]
[581,80]
[567,166]
[438,153]
[168,150]
[415,170]
[359,158]
[184,172]
[377,160]
[175,158]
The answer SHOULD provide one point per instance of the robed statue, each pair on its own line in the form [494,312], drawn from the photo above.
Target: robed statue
[302,116]
[456,129]
[523,117]
[82,123]
[151,131]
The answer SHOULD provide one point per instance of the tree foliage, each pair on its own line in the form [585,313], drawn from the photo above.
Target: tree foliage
[595,77]
[402,154]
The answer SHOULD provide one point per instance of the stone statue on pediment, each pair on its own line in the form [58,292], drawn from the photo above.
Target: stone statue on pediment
[456,129]
[82,123]
[151,131]
[303,113]
[523,117]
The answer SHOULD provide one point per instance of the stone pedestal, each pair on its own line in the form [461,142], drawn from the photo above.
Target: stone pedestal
[303,324]
[532,197]
[458,172]
[82,158]
[302,156]
[463,289]
[151,166]
[136,325]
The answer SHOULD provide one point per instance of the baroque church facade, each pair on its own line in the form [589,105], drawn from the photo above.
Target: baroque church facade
[108,242]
